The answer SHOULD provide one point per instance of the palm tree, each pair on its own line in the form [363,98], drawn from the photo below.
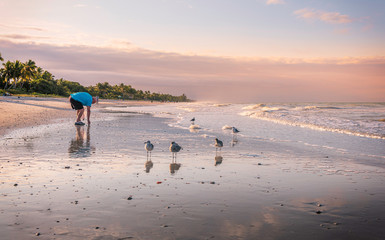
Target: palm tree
[16,73]
[39,72]
[27,72]
[47,76]
[7,72]
[1,58]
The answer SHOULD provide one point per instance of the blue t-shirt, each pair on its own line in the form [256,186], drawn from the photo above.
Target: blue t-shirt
[83,97]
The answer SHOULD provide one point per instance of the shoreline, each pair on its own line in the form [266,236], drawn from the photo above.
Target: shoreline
[22,112]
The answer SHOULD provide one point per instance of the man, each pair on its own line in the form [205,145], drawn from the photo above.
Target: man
[78,100]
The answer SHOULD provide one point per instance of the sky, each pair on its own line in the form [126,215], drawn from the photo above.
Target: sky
[211,50]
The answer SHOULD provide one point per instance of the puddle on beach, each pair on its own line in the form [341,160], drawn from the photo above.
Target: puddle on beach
[67,182]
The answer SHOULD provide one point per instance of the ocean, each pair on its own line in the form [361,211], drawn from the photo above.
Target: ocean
[356,128]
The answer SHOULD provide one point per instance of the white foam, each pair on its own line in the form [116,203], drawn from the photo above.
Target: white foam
[256,106]
[227,127]
[195,126]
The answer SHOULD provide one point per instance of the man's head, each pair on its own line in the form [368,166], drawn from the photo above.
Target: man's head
[94,100]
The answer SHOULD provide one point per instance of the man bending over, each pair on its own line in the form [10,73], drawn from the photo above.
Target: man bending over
[78,100]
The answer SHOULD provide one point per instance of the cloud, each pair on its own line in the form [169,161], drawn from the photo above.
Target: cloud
[342,31]
[21,27]
[211,78]
[269,2]
[20,37]
[80,5]
[328,17]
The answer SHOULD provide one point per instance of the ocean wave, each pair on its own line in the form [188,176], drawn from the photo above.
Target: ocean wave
[251,107]
[306,108]
[315,107]
[272,109]
[221,104]
[318,127]
[264,108]
[188,109]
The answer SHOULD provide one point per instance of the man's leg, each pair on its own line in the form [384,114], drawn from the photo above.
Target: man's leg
[80,114]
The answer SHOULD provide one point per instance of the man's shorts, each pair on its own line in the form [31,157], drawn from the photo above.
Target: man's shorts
[76,104]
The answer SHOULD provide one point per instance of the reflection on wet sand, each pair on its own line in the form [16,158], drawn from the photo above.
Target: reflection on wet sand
[80,146]
[234,141]
[174,166]
[218,160]
[148,165]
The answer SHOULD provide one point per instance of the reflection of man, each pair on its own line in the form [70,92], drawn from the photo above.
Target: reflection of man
[80,146]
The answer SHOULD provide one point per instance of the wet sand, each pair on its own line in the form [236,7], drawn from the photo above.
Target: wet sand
[19,112]
[59,181]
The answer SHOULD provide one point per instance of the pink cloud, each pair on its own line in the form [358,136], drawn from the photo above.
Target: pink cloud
[211,78]
[342,31]
[20,37]
[328,17]
[269,2]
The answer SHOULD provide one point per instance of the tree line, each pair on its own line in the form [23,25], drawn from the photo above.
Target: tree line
[27,78]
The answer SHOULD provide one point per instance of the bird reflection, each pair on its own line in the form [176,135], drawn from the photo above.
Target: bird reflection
[234,141]
[174,166]
[218,160]
[148,165]
[80,146]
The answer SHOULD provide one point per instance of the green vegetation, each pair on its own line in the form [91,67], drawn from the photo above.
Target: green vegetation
[26,78]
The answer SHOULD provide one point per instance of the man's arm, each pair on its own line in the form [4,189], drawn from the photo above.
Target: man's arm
[88,114]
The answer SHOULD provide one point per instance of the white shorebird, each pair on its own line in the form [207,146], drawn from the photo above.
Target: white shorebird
[235,130]
[218,144]
[174,148]
[149,147]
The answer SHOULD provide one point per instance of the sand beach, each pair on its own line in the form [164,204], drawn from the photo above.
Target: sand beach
[270,181]
[20,112]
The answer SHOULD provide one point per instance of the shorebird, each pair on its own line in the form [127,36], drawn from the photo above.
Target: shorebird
[235,130]
[218,144]
[149,147]
[174,149]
